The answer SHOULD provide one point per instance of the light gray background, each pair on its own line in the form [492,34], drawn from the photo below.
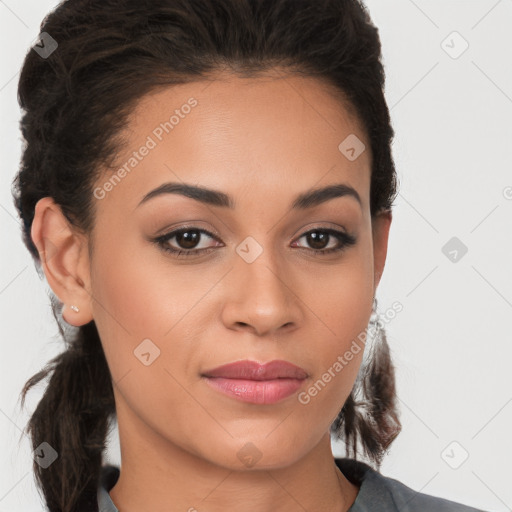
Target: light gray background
[452,342]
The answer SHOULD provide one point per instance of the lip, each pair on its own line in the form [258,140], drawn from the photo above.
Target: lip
[250,381]
[252,370]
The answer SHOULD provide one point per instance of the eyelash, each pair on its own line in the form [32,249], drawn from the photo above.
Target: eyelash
[345,240]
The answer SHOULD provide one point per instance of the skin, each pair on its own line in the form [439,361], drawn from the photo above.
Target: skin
[262,141]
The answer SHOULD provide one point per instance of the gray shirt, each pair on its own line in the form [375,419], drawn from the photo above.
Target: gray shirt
[376,492]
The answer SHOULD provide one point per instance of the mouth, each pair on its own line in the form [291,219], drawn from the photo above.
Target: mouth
[256,383]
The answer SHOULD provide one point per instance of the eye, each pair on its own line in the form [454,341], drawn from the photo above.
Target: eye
[187,240]
[319,240]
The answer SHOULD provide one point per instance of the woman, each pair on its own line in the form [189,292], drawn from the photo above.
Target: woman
[207,187]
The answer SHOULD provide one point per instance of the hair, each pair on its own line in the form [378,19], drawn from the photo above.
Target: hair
[75,103]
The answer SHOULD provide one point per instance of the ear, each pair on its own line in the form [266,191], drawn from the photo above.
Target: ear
[380,230]
[64,259]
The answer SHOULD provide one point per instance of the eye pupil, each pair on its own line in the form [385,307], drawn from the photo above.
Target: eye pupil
[317,236]
[188,239]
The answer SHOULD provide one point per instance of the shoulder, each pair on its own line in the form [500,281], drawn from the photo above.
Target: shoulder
[385,494]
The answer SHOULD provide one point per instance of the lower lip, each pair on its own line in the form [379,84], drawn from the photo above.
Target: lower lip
[256,391]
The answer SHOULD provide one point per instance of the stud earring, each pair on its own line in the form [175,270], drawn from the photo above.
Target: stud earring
[74,308]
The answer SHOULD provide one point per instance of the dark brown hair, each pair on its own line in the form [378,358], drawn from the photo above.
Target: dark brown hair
[75,102]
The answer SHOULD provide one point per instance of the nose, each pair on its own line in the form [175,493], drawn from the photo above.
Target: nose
[262,297]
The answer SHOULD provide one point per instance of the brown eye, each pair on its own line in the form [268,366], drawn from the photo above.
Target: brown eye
[319,239]
[187,240]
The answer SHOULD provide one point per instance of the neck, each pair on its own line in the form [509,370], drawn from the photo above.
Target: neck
[160,476]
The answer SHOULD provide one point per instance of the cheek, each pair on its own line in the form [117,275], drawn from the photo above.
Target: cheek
[344,304]
[133,293]
[344,295]
[144,307]
[125,308]
[137,314]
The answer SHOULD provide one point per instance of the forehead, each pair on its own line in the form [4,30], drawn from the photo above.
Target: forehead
[258,136]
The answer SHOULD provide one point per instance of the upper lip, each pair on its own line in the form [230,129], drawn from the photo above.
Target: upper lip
[252,370]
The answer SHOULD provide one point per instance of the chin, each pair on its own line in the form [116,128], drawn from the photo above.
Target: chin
[257,453]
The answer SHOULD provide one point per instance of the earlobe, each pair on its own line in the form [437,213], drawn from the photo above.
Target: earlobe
[380,228]
[64,260]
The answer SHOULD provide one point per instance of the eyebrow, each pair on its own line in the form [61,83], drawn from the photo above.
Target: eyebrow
[212,197]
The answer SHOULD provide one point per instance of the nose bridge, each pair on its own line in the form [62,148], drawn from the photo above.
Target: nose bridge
[261,294]
[260,269]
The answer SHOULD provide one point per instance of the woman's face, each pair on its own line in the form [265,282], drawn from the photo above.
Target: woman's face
[256,290]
